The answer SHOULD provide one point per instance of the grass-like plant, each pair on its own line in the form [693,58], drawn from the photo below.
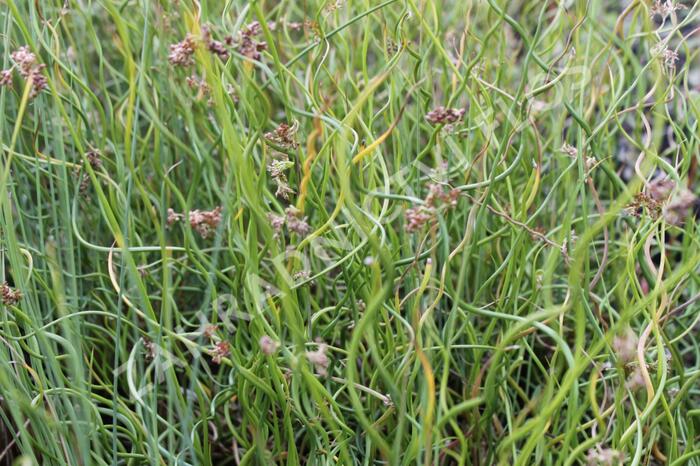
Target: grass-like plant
[353,232]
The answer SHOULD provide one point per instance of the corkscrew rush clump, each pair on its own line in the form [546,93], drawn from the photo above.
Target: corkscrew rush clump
[349,232]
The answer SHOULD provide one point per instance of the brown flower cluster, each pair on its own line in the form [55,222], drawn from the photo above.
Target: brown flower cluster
[442,115]
[426,213]
[28,66]
[6,78]
[569,150]
[198,84]
[643,202]
[417,217]
[220,348]
[268,346]
[665,54]
[220,351]
[333,6]
[205,222]
[210,331]
[173,217]
[151,348]
[294,219]
[296,222]
[10,296]
[437,195]
[678,208]
[319,359]
[625,346]
[660,200]
[276,222]
[94,158]
[277,168]
[284,135]
[246,43]
[604,457]
[665,8]
[295,25]
[660,189]
[182,53]
[216,47]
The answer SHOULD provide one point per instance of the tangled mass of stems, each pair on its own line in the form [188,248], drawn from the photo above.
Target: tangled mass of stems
[351,232]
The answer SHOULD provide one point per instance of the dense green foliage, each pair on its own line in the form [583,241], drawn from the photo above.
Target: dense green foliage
[349,232]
